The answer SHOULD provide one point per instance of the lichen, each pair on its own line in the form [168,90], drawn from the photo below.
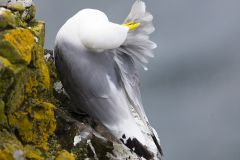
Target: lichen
[16,45]
[38,29]
[9,145]
[4,155]
[5,76]
[17,6]
[65,155]
[27,118]
[7,19]
[29,13]
[32,153]
[15,97]
[35,124]
[3,118]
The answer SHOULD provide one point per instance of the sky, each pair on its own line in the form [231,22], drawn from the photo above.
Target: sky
[191,92]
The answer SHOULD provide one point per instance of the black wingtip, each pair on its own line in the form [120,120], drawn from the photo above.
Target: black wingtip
[157,144]
[135,146]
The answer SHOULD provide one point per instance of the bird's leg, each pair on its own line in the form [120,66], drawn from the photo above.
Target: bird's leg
[132,25]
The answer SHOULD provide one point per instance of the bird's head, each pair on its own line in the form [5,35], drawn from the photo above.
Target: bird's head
[97,33]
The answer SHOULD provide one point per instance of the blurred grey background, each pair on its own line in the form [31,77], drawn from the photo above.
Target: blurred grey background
[191,92]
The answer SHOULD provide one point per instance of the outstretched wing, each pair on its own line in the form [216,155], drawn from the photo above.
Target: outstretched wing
[136,48]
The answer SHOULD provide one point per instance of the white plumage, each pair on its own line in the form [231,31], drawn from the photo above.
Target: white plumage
[95,59]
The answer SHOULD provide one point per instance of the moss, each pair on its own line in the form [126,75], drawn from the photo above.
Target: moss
[3,118]
[65,155]
[6,76]
[19,20]
[82,151]
[8,73]
[26,85]
[15,97]
[7,19]
[54,147]
[16,45]
[5,64]
[35,124]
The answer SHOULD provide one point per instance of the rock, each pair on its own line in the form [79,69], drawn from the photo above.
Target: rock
[3,3]
[35,123]
[86,141]
[19,5]
[3,118]
[9,145]
[17,45]
[7,19]
[27,118]
[16,6]
[29,13]
[65,155]
[35,120]
[6,75]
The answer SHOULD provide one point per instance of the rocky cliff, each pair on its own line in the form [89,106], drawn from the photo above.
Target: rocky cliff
[35,123]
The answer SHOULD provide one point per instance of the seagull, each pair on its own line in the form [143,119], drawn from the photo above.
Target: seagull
[96,62]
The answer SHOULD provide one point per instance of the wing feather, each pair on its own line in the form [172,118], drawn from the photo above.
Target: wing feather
[136,48]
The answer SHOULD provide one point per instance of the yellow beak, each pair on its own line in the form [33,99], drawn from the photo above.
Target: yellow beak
[132,25]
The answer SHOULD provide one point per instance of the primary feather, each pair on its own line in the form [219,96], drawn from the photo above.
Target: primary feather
[137,48]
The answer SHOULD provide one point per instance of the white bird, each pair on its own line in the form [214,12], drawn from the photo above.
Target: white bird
[95,59]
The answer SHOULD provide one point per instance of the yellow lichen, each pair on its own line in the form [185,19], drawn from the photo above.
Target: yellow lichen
[3,120]
[65,155]
[23,41]
[32,153]
[43,71]
[35,124]
[7,18]
[31,86]
[16,96]
[4,62]
[9,145]
[38,28]
[4,155]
